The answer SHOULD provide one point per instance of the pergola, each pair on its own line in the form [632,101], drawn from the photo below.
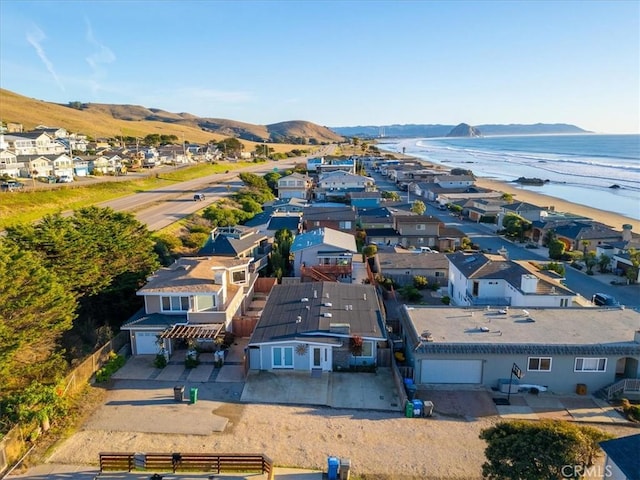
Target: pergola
[193,332]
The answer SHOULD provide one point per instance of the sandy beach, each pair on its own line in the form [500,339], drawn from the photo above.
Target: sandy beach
[613,220]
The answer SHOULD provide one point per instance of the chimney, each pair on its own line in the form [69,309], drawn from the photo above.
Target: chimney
[636,336]
[626,232]
[529,283]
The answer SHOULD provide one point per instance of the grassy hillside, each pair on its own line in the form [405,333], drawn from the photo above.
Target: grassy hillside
[104,120]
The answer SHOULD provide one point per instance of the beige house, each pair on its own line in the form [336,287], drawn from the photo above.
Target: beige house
[295,185]
[195,298]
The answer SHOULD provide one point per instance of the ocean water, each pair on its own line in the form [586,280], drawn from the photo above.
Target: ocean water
[579,168]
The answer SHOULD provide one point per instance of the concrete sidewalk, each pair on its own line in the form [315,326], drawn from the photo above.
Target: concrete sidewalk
[51,471]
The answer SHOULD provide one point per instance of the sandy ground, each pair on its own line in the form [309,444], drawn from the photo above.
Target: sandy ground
[614,220]
[380,445]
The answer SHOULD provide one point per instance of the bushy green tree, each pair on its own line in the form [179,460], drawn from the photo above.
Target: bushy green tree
[604,261]
[418,207]
[545,450]
[556,249]
[393,196]
[590,260]
[35,310]
[420,282]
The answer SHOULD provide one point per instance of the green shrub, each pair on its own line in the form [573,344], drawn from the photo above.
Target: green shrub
[420,282]
[446,300]
[114,363]
[160,361]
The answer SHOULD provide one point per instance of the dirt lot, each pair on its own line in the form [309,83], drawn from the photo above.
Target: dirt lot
[381,445]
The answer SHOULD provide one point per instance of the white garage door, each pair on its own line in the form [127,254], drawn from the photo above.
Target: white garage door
[451,371]
[146,343]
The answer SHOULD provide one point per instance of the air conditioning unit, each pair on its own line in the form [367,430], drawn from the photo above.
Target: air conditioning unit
[327,315]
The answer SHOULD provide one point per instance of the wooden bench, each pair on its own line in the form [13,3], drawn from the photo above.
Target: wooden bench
[186,462]
[116,462]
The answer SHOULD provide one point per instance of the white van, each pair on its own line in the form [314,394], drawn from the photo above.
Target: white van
[427,250]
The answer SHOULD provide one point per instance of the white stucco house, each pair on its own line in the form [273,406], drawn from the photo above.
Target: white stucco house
[491,280]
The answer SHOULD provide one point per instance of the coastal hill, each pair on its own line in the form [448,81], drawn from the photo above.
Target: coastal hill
[106,120]
[464,130]
[438,130]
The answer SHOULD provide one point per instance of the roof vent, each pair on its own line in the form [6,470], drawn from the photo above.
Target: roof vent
[327,304]
[298,319]
[484,329]
[426,336]
[304,299]
[326,295]
[315,294]
[327,315]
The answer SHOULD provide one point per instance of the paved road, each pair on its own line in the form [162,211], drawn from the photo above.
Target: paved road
[163,206]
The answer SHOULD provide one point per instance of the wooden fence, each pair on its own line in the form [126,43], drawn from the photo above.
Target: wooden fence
[186,462]
[15,442]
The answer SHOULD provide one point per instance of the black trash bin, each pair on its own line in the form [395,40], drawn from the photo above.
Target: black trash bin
[178,393]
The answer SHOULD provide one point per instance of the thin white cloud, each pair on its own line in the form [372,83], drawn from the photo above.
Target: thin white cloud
[100,57]
[35,38]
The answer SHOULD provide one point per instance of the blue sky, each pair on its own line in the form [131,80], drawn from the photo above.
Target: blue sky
[335,63]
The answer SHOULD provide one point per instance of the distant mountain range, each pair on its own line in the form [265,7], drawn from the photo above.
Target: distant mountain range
[109,120]
[438,130]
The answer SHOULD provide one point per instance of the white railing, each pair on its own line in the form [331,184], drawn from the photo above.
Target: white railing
[625,385]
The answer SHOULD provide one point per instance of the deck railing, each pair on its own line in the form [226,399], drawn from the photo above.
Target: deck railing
[623,386]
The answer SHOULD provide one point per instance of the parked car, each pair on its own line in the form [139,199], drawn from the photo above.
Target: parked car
[605,300]
[11,185]
[65,179]
[198,197]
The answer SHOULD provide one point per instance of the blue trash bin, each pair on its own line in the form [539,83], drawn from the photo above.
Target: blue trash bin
[418,410]
[334,465]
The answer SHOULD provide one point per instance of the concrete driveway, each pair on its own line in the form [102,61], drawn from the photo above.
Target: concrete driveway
[367,391]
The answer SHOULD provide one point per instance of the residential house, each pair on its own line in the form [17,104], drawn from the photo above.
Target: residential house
[34,166]
[62,165]
[194,299]
[525,210]
[324,254]
[619,252]
[9,164]
[33,143]
[53,132]
[492,280]
[81,166]
[418,230]
[285,221]
[283,205]
[364,199]
[584,236]
[311,326]
[314,163]
[403,267]
[339,184]
[295,185]
[239,242]
[378,225]
[173,154]
[561,350]
[550,220]
[622,458]
[482,209]
[347,165]
[337,218]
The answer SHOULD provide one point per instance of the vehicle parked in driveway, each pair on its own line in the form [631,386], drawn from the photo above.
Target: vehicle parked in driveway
[65,179]
[198,197]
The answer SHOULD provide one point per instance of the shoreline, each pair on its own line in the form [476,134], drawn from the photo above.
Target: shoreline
[613,220]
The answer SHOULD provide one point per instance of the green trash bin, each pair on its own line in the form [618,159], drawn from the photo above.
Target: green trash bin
[408,409]
[193,395]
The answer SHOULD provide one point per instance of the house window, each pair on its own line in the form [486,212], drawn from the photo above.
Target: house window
[282,357]
[539,364]
[345,225]
[239,276]
[590,364]
[175,304]
[421,226]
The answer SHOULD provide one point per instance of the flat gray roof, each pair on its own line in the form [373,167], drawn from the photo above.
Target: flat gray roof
[550,327]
